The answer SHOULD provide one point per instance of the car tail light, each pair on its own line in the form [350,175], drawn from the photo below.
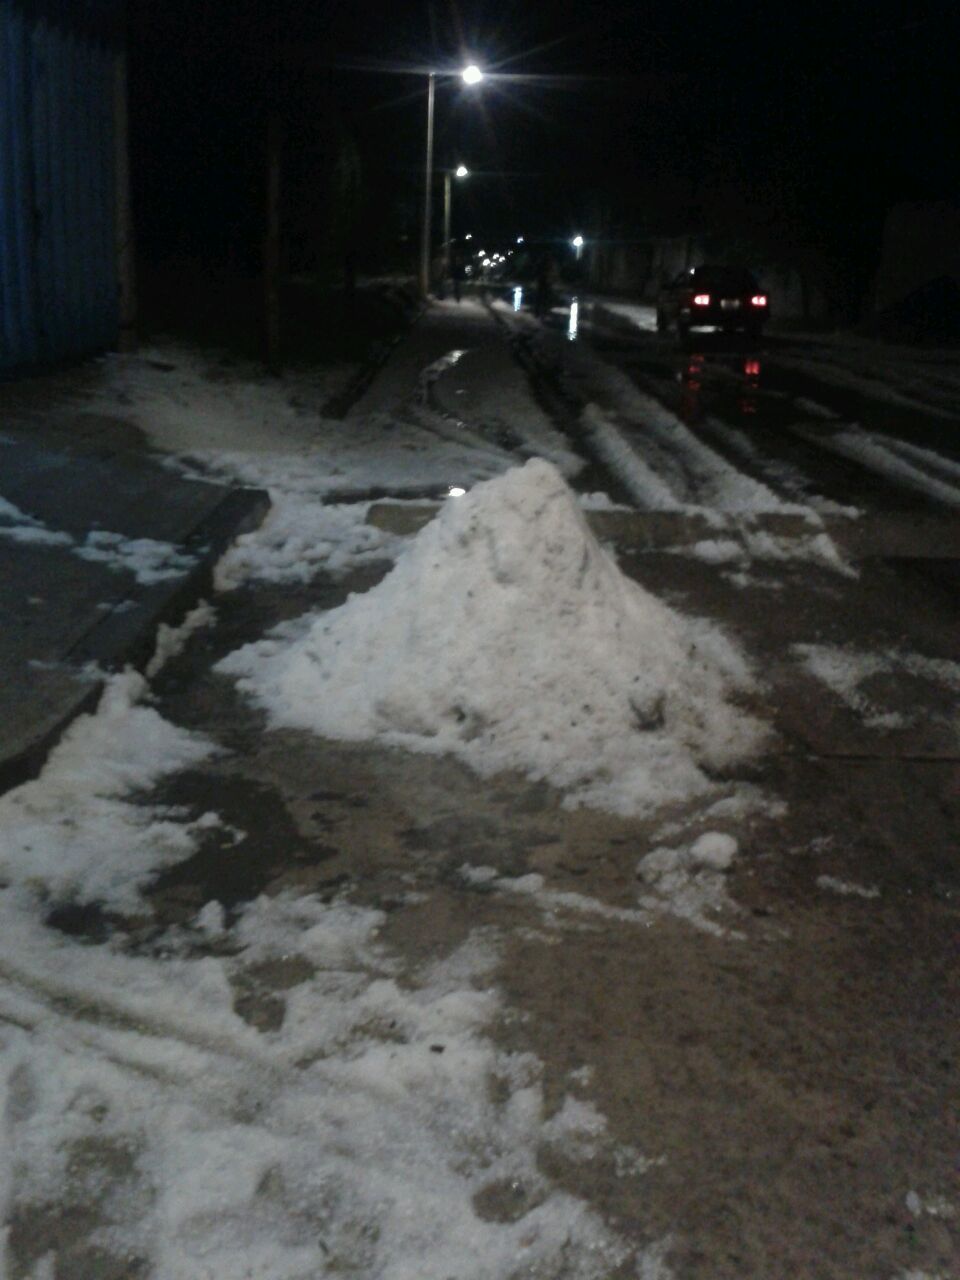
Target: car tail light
[758,300]
[701,299]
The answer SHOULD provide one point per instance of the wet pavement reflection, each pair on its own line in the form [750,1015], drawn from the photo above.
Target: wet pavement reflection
[573,324]
[723,373]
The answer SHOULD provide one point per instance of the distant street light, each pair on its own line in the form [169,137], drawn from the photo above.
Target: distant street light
[577,243]
[461,171]
[519,239]
[470,75]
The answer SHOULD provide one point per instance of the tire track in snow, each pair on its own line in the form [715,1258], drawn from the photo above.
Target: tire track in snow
[906,466]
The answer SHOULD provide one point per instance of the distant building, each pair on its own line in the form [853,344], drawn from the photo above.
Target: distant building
[64,236]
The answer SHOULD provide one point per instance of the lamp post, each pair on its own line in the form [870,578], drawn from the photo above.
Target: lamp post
[577,243]
[470,75]
[461,171]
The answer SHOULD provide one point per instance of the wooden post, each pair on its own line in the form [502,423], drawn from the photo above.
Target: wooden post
[271,249]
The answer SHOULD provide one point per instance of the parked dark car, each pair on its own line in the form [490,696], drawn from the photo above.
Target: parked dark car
[727,298]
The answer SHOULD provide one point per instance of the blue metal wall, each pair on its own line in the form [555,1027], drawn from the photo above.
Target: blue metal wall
[58,277]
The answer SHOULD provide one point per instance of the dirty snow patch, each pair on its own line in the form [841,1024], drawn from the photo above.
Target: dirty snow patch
[934,1206]
[832,885]
[689,881]
[873,684]
[366,1135]
[147,559]
[301,537]
[551,901]
[71,833]
[171,641]
[508,637]
[24,528]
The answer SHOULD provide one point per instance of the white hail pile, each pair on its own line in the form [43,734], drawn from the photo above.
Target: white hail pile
[508,636]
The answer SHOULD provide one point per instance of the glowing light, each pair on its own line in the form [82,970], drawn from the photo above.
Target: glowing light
[468,236]
[472,74]
[462,171]
[758,300]
[519,239]
[574,323]
[701,299]
[517,298]
[455,491]
[577,242]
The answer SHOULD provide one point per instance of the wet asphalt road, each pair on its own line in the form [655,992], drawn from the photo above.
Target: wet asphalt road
[774,407]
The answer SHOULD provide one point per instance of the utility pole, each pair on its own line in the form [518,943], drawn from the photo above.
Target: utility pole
[126,268]
[271,248]
[447,201]
[427,192]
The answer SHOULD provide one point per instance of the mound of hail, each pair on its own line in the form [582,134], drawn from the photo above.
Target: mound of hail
[507,635]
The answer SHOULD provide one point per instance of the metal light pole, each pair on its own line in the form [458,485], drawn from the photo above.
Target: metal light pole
[461,171]
[470,75]
[427,184]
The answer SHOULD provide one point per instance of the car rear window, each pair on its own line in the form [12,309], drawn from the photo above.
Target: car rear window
[733,279]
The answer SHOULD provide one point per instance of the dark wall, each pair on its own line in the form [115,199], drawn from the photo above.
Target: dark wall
[58,278]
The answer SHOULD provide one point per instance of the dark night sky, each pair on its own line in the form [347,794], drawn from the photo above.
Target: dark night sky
[824,114]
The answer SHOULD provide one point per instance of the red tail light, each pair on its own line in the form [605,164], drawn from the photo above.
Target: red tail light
[758,300]
[701,299]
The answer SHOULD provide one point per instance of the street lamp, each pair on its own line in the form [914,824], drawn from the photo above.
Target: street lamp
[470,75]
[577,243]
[461,171]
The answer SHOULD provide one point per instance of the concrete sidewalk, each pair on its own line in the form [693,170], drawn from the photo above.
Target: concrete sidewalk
[99,544]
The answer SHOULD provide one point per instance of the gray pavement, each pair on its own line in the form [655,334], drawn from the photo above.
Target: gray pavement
[788,1093]
[66,619]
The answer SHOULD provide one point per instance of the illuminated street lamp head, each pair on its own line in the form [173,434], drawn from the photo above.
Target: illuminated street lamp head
[461,171]
[577,242]
[472,74]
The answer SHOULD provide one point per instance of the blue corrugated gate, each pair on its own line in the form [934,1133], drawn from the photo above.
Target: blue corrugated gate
[58,273]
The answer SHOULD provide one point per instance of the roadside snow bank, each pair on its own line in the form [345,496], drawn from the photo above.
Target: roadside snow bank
[506,635]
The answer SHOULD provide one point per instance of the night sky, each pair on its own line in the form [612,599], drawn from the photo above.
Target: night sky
[802,122]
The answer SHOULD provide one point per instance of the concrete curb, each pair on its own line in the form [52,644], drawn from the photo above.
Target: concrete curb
[128,639]
[902,537]
[339,405]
